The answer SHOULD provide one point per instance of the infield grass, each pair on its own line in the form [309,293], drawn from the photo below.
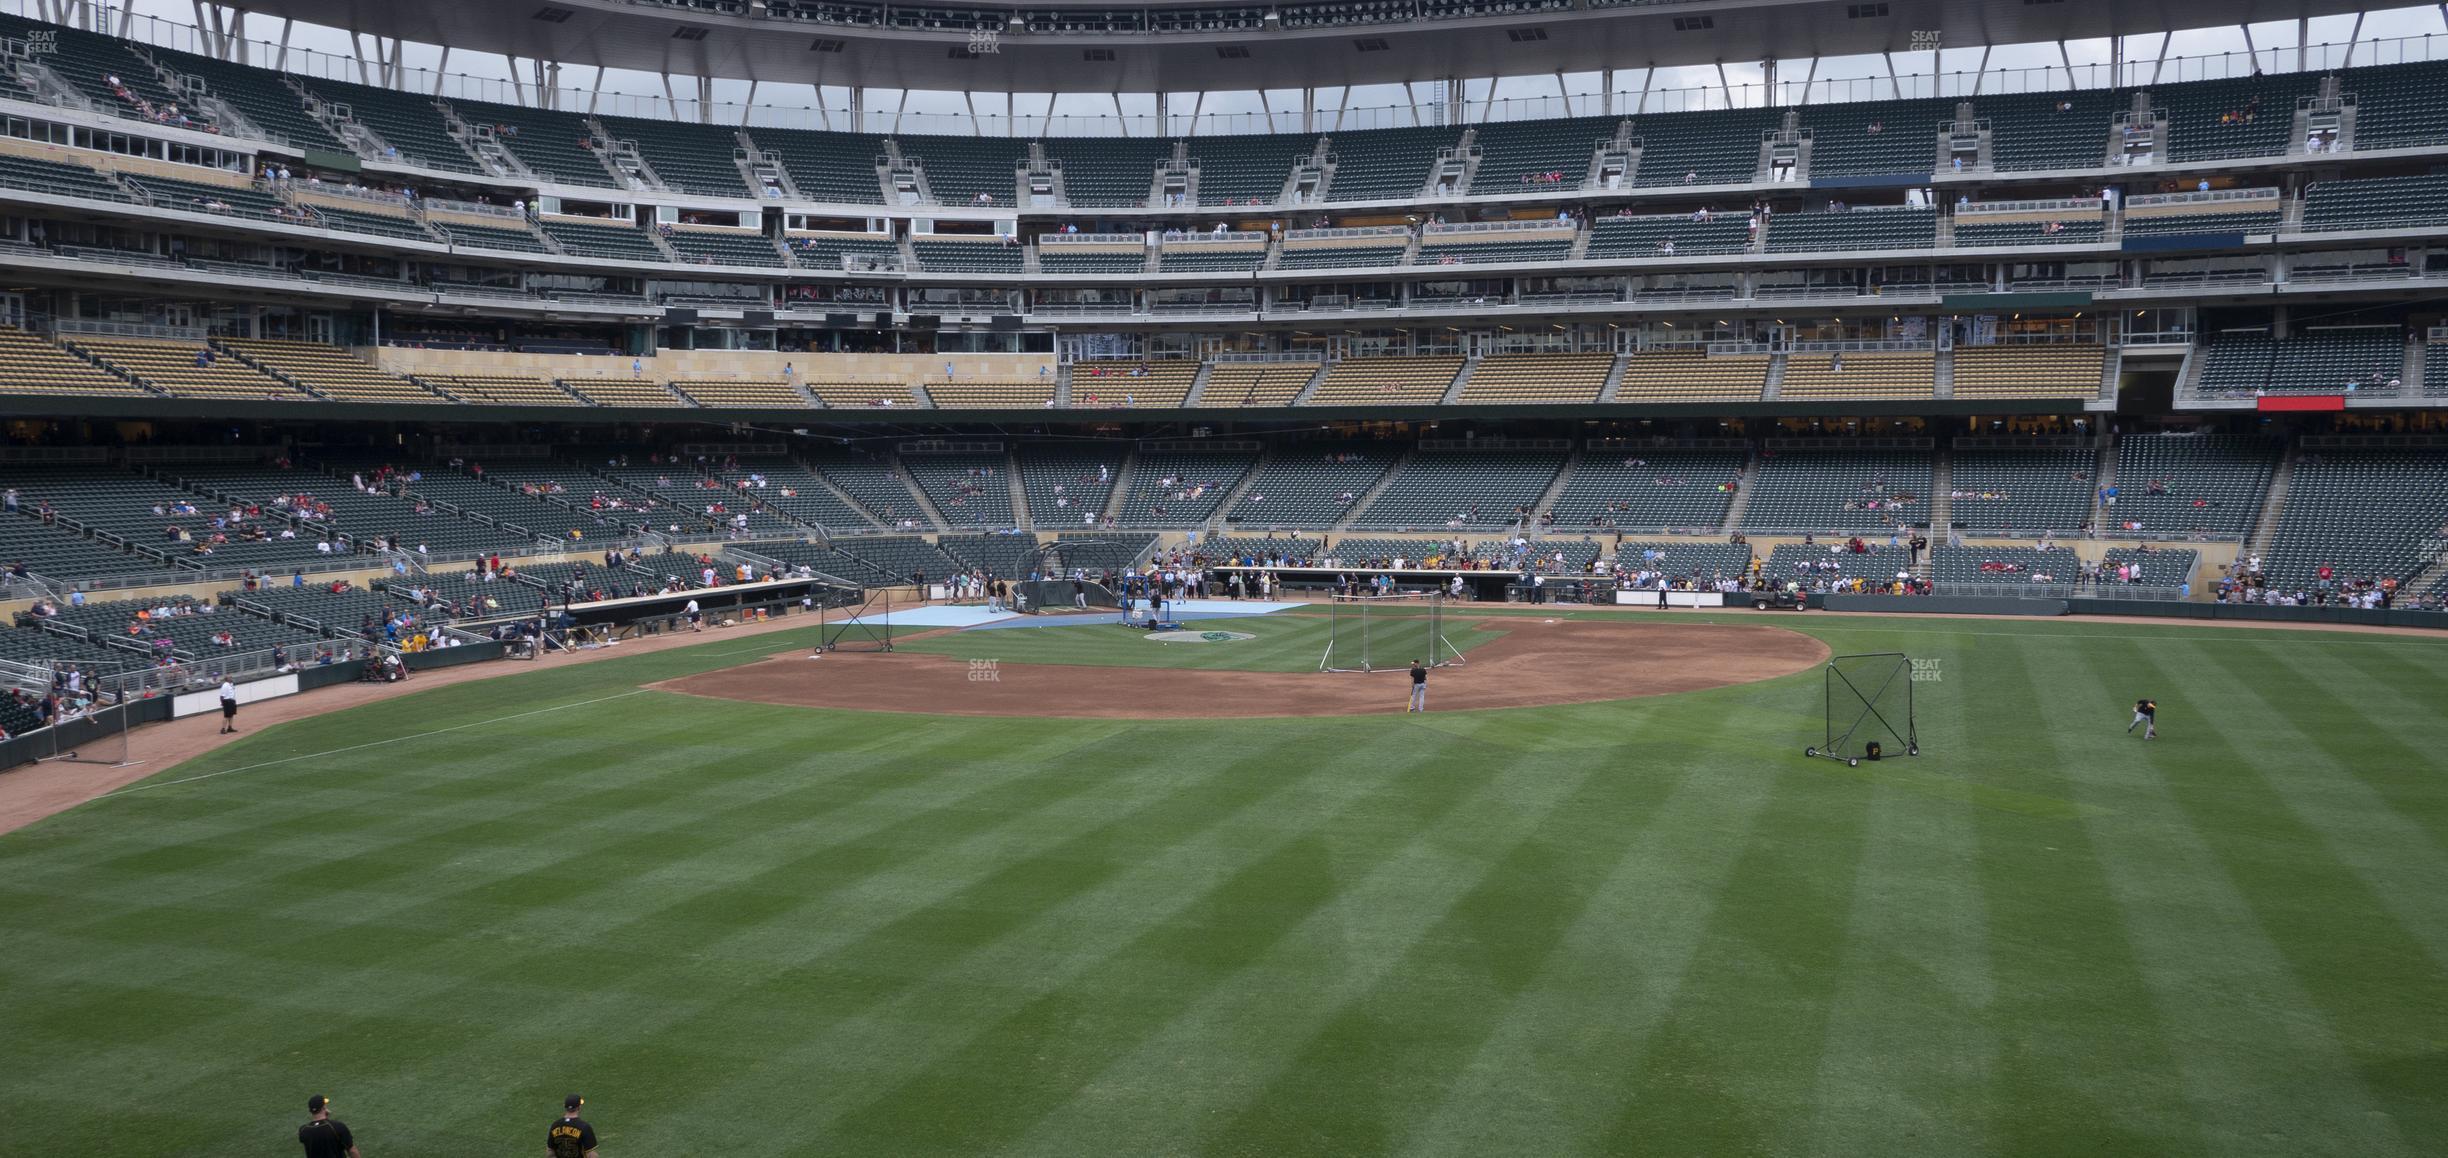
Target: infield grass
[1646,927]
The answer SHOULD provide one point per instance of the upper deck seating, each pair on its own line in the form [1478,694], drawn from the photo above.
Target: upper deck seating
[687,156]
[1537,378]
[555,145]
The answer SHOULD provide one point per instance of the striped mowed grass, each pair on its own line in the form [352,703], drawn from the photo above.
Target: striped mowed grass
[1646,926]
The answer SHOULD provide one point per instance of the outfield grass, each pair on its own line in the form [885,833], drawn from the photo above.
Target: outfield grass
[1643,927]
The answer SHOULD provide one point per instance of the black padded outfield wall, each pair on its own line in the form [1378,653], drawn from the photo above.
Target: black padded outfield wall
[1945,604]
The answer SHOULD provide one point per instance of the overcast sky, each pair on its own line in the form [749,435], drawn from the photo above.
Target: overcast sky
[2381,25]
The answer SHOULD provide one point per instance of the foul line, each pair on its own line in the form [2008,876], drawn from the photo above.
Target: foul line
[371,744]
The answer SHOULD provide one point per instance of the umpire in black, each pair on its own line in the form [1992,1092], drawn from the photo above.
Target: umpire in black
[325,1136]
[570,1136]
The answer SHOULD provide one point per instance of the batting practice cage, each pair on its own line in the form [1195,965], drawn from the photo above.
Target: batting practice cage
[1868,703]
[869,628]
[1386,633]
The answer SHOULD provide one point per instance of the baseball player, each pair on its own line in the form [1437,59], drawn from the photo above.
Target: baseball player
[1419,686]
[325,1136]
[2146,714]
[570,1135]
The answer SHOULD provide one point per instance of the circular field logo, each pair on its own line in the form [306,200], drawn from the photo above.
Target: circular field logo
[1200,636]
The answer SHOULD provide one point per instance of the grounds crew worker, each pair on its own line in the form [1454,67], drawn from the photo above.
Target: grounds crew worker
[325,1136]
[570,1136]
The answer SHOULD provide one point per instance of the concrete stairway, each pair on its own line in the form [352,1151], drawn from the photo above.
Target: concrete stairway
[1019,494]
[1942,481]
[1742,492]
[2265,528]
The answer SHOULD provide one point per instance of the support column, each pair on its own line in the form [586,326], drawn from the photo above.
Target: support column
[1606,98]
[1454,103]
[1768,76]
[595,93]
[1308,108]
[705,100]
[281,60]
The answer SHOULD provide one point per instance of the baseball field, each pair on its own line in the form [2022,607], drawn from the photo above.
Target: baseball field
[742,924]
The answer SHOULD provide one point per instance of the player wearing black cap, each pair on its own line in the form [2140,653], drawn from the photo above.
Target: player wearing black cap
[325,1136]
[2146,715]
[570,1136]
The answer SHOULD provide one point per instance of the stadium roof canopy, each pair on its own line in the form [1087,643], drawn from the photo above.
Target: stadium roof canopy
[742,39]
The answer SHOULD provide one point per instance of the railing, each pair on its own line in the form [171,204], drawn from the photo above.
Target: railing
[1723,349]
[1059,240]
[1173,237]
[1389,232]
[1221,356]
[2044,205]
[354,193]
[129,329]
[1482,227]
[55,454]
[1442,444]
[1865,346]
[208,671]
[2199,197]
[473,208]
[1663,443]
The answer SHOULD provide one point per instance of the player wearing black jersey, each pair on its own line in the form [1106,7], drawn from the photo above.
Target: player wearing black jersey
[570,1136]
[2146,715]
[325,1136]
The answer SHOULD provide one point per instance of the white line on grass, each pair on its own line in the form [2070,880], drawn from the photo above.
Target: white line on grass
[374,743]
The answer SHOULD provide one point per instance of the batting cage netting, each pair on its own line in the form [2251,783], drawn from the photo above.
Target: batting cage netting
[1386,633]
[1868,706]
[869,628]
